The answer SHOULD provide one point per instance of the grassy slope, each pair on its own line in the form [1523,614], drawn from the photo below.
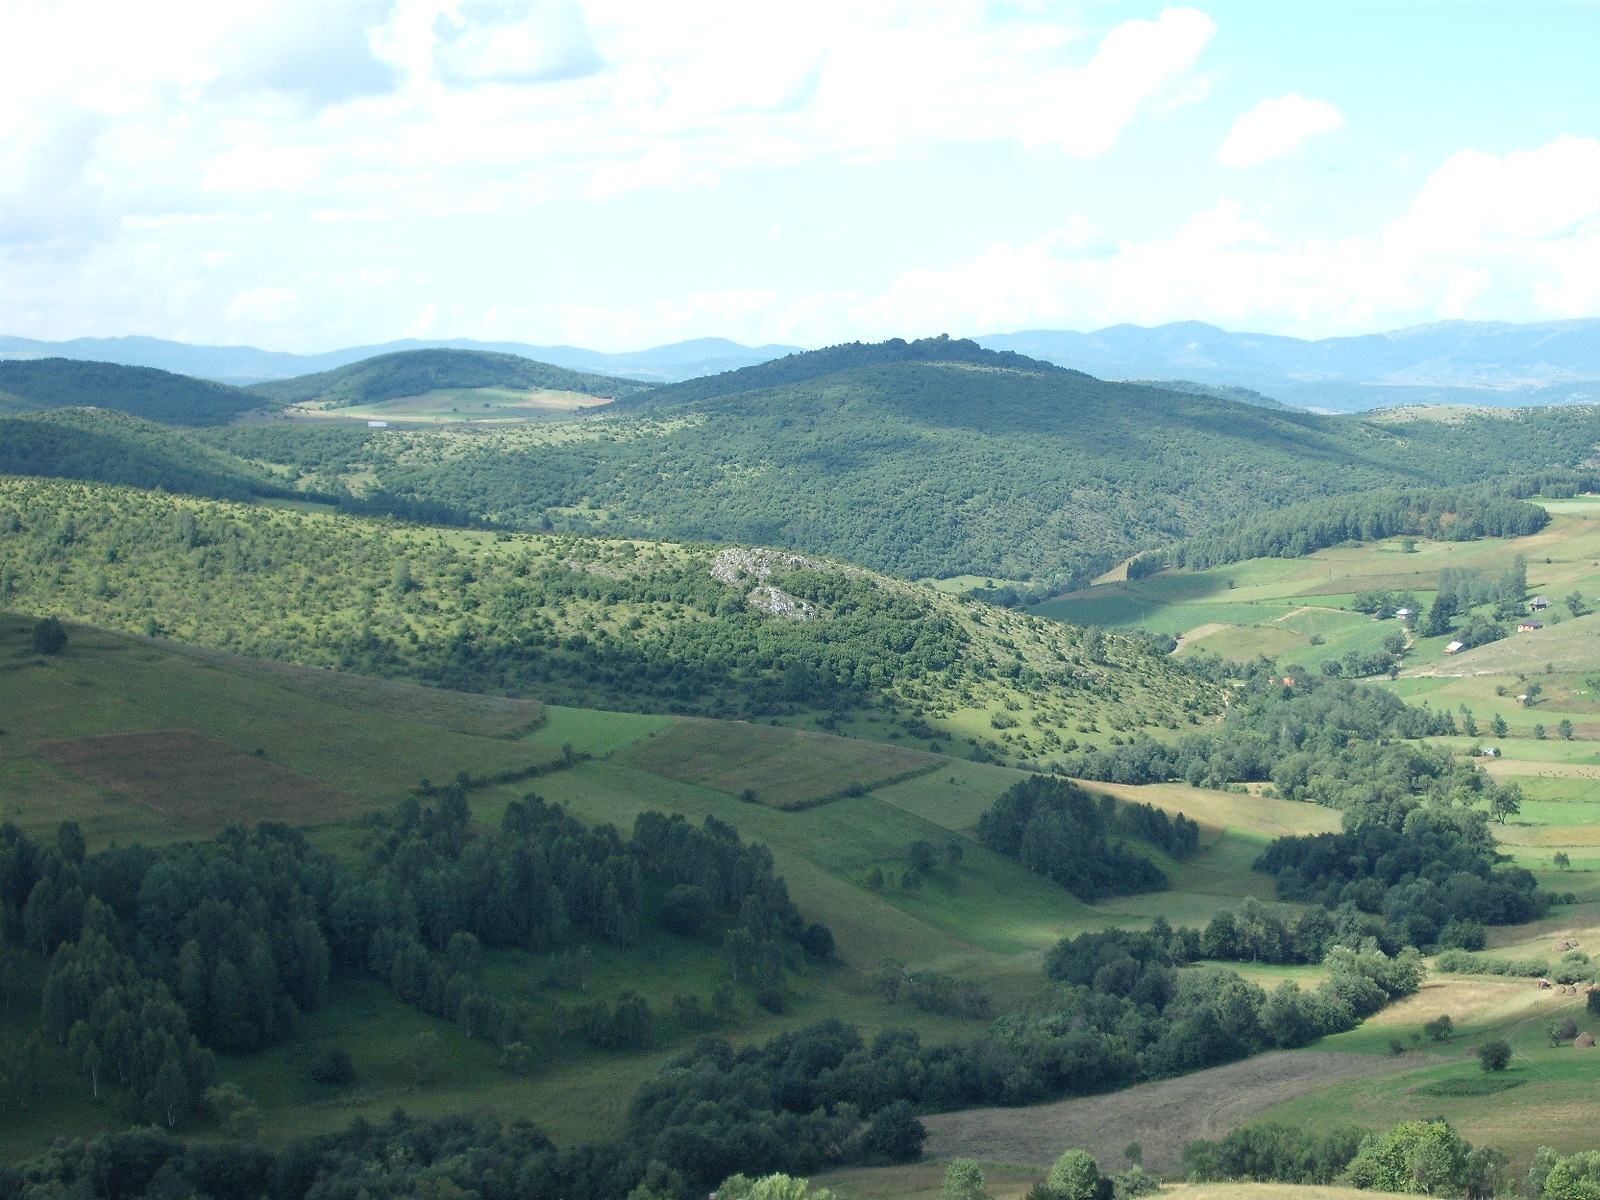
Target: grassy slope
[1274,606]
[1550,1100]
[320,589]
[988,919]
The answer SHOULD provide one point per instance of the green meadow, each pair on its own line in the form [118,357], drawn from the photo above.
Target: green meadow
[368,743]
[986,919]
[454,406]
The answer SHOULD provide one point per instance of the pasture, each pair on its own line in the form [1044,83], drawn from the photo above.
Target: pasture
[457,406]
[1279,606]
[785,768]
[1161,1116]
[197,782]
[1011,1181]
[331,745]
[139,740]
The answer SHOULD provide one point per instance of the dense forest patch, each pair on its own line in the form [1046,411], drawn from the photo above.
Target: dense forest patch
[144,392]
[111,447]
[924,464]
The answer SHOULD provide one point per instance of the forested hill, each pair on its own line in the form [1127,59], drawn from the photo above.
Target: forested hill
[936,468]
[32,384]
[415,372]
[848,356]
[113,447]
[612,624]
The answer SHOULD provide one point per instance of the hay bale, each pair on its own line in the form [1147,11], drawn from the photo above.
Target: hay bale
[1584,1041]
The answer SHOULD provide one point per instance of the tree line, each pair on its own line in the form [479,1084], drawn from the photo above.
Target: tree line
[1435,873]
[1442,514]
[156,957]
[1286,730]
[1123,1009]
[1419,1157]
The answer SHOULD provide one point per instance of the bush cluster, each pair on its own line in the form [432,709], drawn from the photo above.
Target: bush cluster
[1058,830]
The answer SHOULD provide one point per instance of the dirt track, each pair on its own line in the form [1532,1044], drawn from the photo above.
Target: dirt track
[1160,1116]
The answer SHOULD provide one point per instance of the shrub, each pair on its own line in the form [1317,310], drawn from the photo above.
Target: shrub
[768,1187]
[1075,1176]
[817,941]
[425,1057]
[963,1181]
[235,1112]
[771,999]
[49,637]
[333,1067]
[518,1058]
[894,1134]
[1495,1055]
[1440,1028]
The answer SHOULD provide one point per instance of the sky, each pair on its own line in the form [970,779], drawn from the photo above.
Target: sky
[308,174]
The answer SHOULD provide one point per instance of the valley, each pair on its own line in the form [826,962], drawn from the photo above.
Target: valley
[405,659]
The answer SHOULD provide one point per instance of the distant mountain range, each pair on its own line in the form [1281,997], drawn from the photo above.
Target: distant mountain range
[1452,362]
[244,365]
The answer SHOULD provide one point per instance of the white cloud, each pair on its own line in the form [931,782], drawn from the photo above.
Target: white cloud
[1274,127]
[266,306]
[514,41]
[406,107]
[1137,64]
[1513,238]
[251,166]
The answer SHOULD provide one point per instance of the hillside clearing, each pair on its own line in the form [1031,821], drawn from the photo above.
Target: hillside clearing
[1011,1181]
[202,783]
[1161,1116]
[465,712]
[783,768]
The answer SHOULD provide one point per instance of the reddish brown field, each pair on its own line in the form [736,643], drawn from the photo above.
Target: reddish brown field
[464,712]
[785,768]
[1161,1116]
[197,781]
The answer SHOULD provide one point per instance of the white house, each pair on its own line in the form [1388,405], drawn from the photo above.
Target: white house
[1539,604]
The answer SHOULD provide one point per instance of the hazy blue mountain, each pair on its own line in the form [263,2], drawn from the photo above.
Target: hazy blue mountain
[246,364]
[1451,362]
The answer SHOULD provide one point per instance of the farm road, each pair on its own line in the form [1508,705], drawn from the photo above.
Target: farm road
[1160,1116]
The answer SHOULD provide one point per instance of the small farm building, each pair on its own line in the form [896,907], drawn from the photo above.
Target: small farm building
[1452,647]
[1539,603]
[1529,626]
